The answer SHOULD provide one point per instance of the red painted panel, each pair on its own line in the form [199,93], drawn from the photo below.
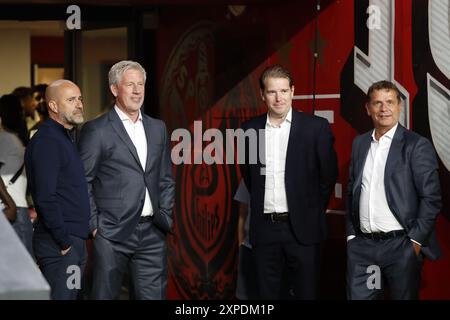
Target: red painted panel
[208,68]
[47,50]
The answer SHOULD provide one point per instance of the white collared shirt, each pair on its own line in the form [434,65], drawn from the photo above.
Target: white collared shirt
[137,135]
[276,143]
[374,211]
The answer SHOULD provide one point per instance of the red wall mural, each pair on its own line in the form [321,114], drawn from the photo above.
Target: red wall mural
[208,63]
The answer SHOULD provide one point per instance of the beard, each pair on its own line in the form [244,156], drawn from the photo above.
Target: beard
[73,119]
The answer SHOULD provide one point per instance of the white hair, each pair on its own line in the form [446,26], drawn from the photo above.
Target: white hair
[116,72]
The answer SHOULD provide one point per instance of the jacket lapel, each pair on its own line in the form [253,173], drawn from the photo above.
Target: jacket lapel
[292,142]
[394,154]
[148,134]
[261,147]
[361,158]
[119,128]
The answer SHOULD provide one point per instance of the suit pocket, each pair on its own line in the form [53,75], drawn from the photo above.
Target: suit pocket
[412,250]
[109,209]
[108,203]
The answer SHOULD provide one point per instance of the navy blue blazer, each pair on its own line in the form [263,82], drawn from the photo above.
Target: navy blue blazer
[411,182]
[56,180]
[310,175]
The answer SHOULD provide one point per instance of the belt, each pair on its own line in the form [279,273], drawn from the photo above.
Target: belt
[384,235]
[144,219]
[277,217]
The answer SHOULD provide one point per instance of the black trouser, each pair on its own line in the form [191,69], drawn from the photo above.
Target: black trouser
[143,254]
[65,273]
[394,258]
[24,228]
[247,282]
[285,254]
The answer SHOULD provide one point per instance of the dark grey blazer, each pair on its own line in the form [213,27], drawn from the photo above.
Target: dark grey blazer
[411,182]
[116,180]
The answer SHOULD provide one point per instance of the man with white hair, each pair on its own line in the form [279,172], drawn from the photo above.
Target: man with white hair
[59,190]
[126,156]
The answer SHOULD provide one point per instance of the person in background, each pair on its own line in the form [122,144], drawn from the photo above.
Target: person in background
[7,204]
[29,106]
[247,284]
[39,96]
[12,171]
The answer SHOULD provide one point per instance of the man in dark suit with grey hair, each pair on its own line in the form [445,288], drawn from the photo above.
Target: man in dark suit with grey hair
[126,157]
[393,200]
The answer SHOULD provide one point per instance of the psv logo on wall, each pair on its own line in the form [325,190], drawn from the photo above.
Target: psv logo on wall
[202,249]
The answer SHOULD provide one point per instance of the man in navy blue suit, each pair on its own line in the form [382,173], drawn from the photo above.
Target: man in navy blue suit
[59,189]
[393,200]
[289,189]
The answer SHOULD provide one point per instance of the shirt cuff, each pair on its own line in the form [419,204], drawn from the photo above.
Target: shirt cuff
[350,237]
[415,242]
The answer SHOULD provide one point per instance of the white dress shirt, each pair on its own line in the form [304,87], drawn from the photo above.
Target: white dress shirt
[374,212]
[137,135]
[277,138]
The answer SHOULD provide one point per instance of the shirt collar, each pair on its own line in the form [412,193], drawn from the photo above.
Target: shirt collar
[389,134]
[51,122]
[288,119]
[123,116]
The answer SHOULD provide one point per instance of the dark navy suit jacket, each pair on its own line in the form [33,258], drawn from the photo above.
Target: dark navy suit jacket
[310,174]
[411,182]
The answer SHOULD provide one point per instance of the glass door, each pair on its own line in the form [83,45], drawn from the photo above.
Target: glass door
[93,52]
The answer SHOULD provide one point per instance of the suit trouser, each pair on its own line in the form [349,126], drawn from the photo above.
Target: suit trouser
[247,282]
[144,254]
[24,228]
[371,264]
[65,273]
[285,254]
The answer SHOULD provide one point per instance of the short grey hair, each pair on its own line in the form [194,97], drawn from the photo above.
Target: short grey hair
[116,72]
